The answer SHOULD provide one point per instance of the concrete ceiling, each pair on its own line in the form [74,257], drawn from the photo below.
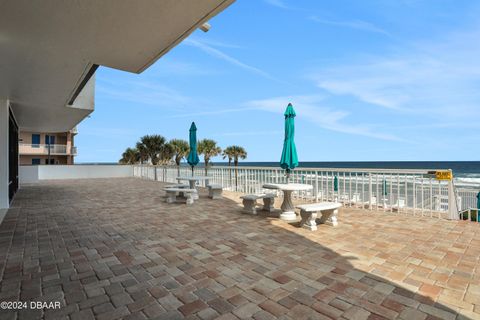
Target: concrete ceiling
[47,47]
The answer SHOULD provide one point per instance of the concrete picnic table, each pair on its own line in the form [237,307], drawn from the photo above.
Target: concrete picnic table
[192,181]
[288,209]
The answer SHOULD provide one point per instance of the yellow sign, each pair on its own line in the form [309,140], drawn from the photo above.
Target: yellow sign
[443,175]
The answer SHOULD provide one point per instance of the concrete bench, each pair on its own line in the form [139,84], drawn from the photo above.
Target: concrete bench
[178,185]
[308,213]
[215,191]
[185,194]
[250,202]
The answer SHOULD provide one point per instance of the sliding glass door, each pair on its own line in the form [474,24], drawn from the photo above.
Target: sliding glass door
[12,157]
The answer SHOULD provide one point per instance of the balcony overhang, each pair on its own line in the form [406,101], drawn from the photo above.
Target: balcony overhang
[47,49]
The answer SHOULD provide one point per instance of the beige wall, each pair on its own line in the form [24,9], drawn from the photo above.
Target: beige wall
[26,160]
[60,138]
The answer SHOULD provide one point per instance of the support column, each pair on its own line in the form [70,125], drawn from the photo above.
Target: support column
[370,191]
[453,209]
[69,148]
[4,134]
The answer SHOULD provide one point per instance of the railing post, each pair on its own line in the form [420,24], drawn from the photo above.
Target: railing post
[221,176]
[452,201]
[245,181]
[370,191]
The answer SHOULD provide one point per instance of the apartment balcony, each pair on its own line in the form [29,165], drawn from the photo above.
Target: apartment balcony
[43,149]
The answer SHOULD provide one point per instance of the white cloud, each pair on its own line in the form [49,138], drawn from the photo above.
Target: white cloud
[221,44]
[223,56]
[277,3]
[311,108]
[432,79]
[352,24]
[208,113]
[144,92]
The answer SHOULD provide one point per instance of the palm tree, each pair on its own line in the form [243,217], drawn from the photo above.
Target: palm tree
[166,154]
[209,149]
[180,149]
[130,156]
[142,152]
[227,153]
[236,152]
[151,147]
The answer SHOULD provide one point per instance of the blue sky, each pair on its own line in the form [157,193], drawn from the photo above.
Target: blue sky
[370,80]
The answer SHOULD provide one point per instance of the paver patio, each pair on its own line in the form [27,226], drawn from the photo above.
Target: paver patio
[112,248]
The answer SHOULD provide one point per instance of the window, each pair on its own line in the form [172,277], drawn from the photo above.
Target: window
[35,140]
[51,138]
[35,161]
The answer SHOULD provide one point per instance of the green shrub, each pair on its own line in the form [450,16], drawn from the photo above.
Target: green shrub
[473,213]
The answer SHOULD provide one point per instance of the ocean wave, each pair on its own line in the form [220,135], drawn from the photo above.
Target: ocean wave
[467,181]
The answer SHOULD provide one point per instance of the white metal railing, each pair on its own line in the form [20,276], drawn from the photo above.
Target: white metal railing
[469,203]
[25,148]
[415,192]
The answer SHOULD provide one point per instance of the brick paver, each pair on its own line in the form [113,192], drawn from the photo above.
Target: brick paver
[113,249]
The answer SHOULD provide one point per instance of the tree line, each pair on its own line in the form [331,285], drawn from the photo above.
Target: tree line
[155,149]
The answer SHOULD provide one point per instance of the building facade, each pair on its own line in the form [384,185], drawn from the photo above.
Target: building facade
[49,53]
[37,148]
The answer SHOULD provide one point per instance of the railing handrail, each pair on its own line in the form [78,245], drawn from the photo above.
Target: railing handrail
[359,170]
[41,148]
[42,144]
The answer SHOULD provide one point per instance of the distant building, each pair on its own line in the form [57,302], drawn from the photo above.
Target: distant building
[47,148]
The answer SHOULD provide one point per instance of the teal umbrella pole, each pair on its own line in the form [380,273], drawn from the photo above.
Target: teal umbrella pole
[289,159]
[192,158]
[384,193]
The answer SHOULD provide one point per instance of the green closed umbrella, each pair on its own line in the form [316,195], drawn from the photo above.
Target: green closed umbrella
[384,193]
[192,158]
[289,160]
[335,183]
